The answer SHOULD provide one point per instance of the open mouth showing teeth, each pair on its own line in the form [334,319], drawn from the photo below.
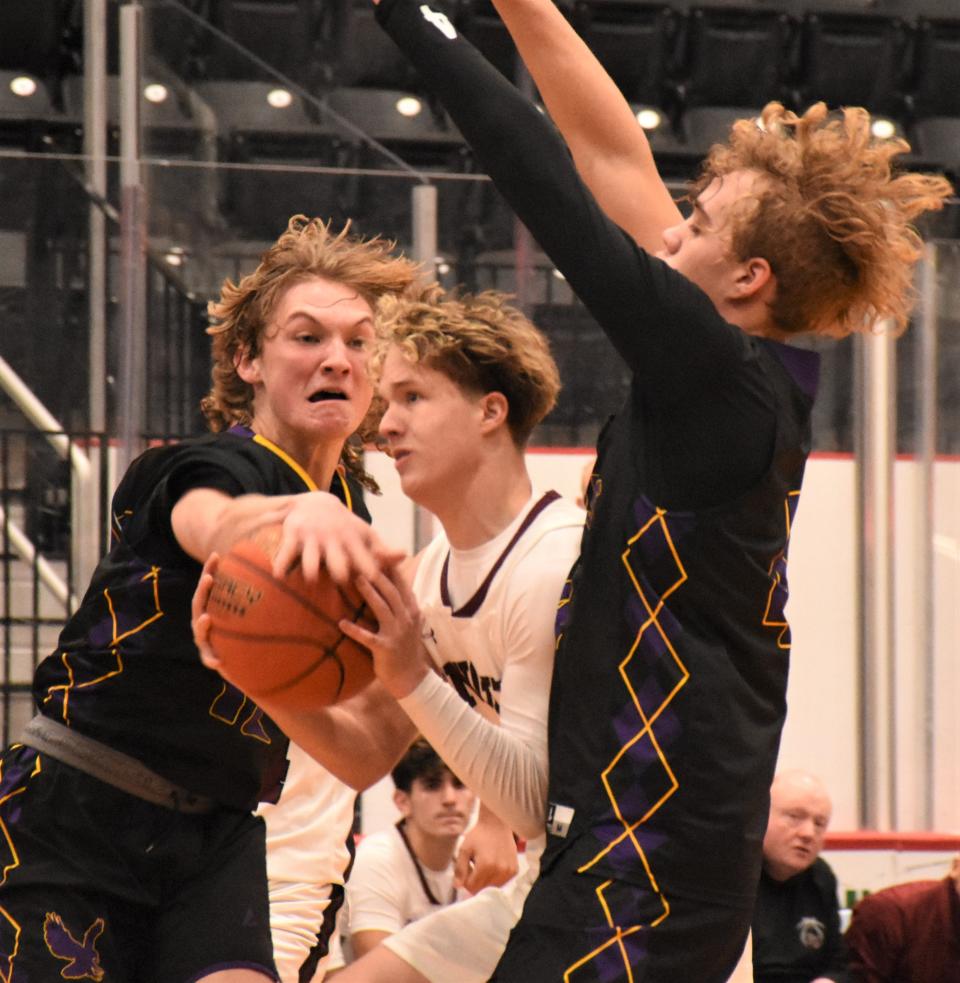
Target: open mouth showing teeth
[326,394]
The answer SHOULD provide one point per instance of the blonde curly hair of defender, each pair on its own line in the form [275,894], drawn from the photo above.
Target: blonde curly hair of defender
[306,249]
[830,214]
[482,343]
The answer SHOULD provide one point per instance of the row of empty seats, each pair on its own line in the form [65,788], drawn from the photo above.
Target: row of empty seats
[703,64]
[892,56]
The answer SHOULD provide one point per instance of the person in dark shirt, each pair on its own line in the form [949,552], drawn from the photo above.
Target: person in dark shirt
[668,693]
[909,933]
[131,853]
[796,919]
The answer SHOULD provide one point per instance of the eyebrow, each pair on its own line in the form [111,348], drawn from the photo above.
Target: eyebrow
[404,382]
[302,313]
[702,212]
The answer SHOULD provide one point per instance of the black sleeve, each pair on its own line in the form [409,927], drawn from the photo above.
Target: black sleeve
[835,955]
[157,480]
[664,327]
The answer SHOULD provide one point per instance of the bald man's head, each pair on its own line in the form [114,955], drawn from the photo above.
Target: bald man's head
[799,815]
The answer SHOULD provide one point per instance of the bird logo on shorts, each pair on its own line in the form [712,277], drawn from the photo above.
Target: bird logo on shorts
[82,958]
[811,932]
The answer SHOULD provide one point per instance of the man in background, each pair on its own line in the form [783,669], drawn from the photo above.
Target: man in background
[909,933]
[407,871]
[796,921]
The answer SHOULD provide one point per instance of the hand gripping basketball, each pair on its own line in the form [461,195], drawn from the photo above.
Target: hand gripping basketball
[279,637]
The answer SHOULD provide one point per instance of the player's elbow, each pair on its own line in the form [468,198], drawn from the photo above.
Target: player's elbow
[359,775]
[531,818]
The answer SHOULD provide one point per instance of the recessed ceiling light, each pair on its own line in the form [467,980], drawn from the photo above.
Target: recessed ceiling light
[155,92]
[409,106]
[23,85]
[883,129]
[649,119]
[279,98]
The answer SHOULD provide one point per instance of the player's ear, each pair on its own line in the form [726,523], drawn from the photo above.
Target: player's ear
[402,801]
[495,409]
[751,277]
[247,366]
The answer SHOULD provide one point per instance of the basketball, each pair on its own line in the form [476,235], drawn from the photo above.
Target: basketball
[279,637]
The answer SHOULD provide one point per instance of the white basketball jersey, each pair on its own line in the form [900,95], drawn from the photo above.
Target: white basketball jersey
[489,613]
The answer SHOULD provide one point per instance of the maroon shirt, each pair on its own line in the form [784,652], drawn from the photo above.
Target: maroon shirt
[907,934]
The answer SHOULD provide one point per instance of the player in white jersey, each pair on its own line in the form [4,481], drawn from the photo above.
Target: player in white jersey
[465,381]
[308,851]
[405,872]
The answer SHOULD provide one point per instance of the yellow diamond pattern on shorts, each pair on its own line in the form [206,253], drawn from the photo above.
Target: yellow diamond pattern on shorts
[669,675]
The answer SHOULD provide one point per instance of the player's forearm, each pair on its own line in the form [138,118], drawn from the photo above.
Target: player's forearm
[516,146]
[530,164]
[358,741]
[508,775]
[581,97]
[610,149]
[206,521]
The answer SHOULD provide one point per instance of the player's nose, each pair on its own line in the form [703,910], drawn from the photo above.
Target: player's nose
[335,354]
[389,422]
[671,239]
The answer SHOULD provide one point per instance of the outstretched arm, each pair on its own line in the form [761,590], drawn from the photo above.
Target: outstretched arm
[666,330]
[609,147]
[315,528]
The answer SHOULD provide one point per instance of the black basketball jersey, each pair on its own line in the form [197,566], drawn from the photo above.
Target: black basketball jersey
[126,671]
[669,685]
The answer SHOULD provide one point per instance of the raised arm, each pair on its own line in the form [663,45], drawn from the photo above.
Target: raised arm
[609,147]
[529,163]
[666,330]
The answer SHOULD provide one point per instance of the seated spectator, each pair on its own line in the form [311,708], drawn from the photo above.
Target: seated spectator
[404,873]
[909,933]
[796,920]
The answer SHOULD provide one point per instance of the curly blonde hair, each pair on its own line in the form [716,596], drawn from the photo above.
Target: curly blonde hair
[308,248]
[829,213]
[481,343]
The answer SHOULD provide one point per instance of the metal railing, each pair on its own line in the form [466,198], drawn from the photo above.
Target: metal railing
[53,529]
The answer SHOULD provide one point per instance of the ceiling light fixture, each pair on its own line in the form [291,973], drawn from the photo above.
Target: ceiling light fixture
[23,86]
[409,106]
[155,92]
[279,98]
[883,129]
[648,118]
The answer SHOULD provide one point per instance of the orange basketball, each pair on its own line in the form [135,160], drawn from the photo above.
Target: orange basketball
[279,637]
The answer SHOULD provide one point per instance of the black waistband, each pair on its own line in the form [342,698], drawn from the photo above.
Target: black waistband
[109,765]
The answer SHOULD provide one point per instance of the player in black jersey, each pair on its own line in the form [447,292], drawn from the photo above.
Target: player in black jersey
[129,849]
[668,693]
